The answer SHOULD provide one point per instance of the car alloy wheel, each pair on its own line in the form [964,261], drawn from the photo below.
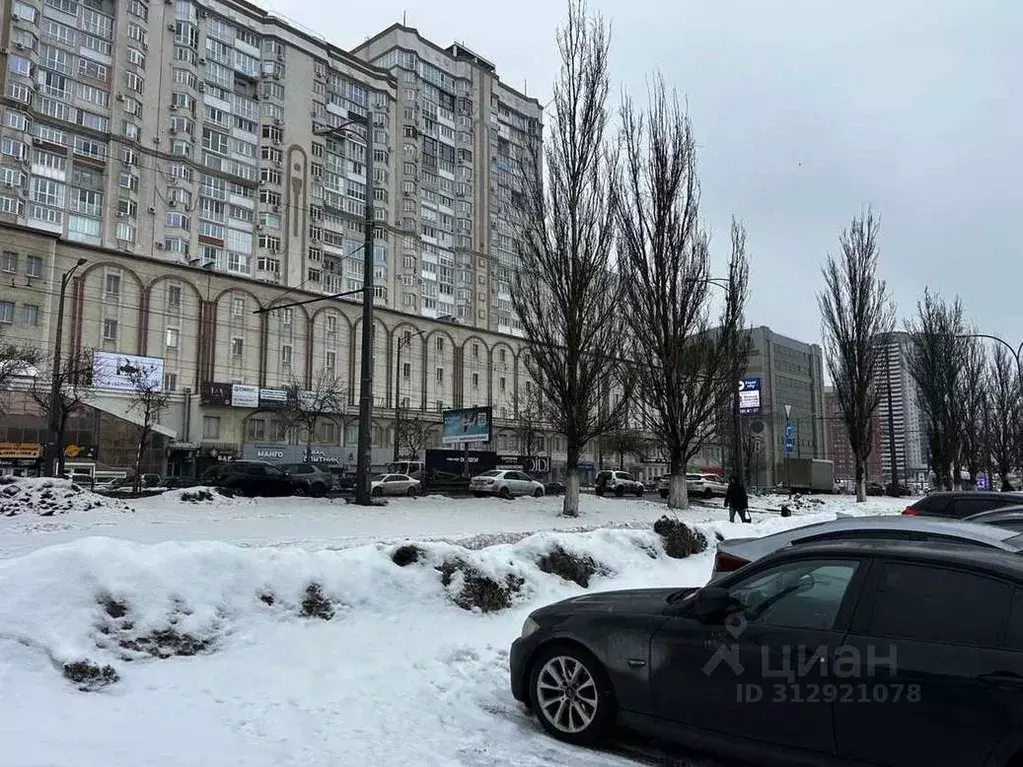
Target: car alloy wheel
[411,492]
[505,493]
[538,493]
[570,696]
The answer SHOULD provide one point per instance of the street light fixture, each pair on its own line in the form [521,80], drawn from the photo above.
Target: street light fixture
[363,495]
[55,403]
[404,340]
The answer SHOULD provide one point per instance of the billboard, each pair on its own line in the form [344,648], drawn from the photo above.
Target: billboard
[110,370]
[749,395]
[471,424]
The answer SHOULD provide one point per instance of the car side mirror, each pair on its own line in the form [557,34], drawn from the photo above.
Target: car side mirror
[713,604]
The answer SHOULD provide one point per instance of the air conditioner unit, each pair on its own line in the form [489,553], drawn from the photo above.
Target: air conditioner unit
[201,87]
[202,62]
[279,164]
[152,209]
[278,121]
[172,131]
[174,107]
[171,28]
[277,208]
[172,203]
[159,246]
[20,46]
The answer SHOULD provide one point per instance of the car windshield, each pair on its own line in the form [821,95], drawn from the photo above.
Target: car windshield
[378,477]
[623,475]
[492,473]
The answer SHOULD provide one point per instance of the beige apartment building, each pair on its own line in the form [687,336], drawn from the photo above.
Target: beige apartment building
[195,133]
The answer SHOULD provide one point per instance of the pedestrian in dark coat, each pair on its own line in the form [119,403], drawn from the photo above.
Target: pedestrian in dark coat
[737,501]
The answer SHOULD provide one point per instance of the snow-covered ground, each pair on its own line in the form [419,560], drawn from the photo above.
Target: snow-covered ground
[294,638]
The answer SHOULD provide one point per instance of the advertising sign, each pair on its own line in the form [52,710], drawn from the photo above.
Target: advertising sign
[467,425]
[749,395]
[20,450]
[244,395]
[111,370]
[214,394]
[271,398]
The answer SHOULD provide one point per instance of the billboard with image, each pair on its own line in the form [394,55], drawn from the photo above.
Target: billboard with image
[111,370]
[471,424]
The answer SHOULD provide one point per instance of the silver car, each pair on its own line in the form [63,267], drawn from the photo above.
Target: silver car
[394,484]
[505,483]
[735,553]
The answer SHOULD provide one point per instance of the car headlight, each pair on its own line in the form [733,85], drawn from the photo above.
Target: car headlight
[529,627]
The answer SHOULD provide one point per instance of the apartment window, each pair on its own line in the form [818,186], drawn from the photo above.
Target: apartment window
[270,243]
[440,375]
[440,405]
[331,323]
[237,346]
[406,370]
[170,381]
[476,351]
[286,354]
[440,345]
[6,312]
[8,262]
[211,427]
[177,220]
[173,336]
[112,285]
[109,330]
[237,306]
[331,361]
[501,384]
[34,266]
[173,296]
[30,315]
[475,380]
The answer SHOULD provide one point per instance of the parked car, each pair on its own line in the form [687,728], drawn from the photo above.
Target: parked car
[965,503]
[394,484]
[309,479]
[252,478]
[735,553]
[617,482]
[706,485]
[1010,518]
[934,631]
[505,483]
[554,488]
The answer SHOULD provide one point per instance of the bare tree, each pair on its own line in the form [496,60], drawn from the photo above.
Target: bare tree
[624,441]
[414,432]
[693,367]
[1003,411]
[857,312]
[973,395]
[149,401]
[306,408]
[566,293]
[74,388]
[529,422]
[16,361]
[939,346]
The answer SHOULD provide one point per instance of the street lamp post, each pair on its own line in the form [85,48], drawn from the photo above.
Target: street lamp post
[363,495]
[403,340]
[55,402]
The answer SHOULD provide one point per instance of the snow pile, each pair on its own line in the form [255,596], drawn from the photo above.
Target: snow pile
[46,497]
[98,604]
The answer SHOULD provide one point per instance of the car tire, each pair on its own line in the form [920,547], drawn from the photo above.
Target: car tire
[619,491]
[376,492]
[411,492]
[663,493]
[538,493]
[318,490]
[504,493]
[639,492]
[586,722]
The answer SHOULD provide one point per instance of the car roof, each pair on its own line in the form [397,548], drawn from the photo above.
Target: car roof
[754,548]
[993,560]
[974,494]
[1003,512]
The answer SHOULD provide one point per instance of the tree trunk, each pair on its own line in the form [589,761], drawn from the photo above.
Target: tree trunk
[621,460]
[570,504]
[678,492]
[309,451]
[139,451]
[861,480]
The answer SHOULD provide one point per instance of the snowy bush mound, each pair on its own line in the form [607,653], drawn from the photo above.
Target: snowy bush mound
[46,497]
[99,605]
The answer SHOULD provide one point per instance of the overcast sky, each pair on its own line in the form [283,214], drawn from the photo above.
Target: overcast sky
[805,110]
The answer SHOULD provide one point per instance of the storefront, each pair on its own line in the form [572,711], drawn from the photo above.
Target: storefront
[21,459]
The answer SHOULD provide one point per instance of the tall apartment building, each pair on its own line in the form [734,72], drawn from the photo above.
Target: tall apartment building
[462,133]
[907,421]
[838,449]
[195,133]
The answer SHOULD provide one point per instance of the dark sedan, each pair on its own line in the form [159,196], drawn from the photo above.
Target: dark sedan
[734,553]
[843,653]
[960,504]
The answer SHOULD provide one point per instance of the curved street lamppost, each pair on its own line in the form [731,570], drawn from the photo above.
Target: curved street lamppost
[55,401]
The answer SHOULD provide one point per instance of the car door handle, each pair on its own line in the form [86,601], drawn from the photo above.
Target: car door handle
[1002,679]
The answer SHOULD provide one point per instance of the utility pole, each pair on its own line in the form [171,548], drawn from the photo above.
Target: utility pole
[56,406]
[364,464]
[403,340]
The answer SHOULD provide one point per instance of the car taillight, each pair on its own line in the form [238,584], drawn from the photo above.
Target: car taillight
[727,563]
[910,512]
